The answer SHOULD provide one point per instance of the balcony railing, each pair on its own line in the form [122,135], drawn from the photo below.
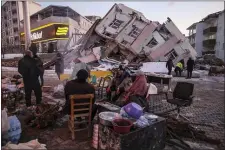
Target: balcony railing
[210,30]
[209,43]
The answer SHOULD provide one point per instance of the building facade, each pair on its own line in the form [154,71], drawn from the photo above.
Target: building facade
[93,18]
[12,14]
[207,36]
[55,25]
[140,36]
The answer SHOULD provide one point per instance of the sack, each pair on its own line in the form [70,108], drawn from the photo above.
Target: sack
[59,91]
[5,121]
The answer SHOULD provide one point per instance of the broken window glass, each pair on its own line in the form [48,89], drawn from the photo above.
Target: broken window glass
[135,32]
[152,43]
[116,24]
[172,54]
[124,42]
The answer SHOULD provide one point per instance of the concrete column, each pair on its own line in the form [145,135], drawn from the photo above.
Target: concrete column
[40,47]
[26,16]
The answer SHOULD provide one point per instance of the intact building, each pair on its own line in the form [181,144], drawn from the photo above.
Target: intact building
[12,14]
[55,25]
[207,36]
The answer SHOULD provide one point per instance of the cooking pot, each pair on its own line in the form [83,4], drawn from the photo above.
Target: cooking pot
[107,117]
[133,110]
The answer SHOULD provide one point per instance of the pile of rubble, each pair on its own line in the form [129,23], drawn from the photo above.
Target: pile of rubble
[210,59]
[125,34]
[211,63]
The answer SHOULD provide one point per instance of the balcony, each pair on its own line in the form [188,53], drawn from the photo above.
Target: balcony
[209,43]
[210,30]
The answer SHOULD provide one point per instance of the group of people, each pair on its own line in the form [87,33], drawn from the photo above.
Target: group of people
[126,88]
[180,67]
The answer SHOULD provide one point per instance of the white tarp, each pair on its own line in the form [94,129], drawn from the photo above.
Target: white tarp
[154,67]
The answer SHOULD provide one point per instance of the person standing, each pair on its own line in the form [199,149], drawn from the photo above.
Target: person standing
[169,66]
[28,68]
[190,67]
[179,68]
[59,66]
[39,63]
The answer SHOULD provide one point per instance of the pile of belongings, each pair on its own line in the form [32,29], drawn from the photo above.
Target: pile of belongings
[43,115]
[12,90]
[12,84]
[134,112]
[33,144]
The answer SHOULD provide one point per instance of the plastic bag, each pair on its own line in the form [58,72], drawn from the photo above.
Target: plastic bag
[5,121]
[12,88]
[33,144]
[59,91]
[142,122]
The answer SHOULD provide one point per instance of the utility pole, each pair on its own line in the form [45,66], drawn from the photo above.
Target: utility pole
[26,18]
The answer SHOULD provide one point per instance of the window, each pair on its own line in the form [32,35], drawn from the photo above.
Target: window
[116,24]
[3,34]
[124,42]
[135,32]
[11,40]
[152,43]
[172,54]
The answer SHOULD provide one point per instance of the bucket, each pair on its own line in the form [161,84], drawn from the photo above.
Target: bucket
[122,126]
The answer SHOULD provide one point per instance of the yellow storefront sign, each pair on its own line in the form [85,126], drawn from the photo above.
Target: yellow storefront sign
[62,31]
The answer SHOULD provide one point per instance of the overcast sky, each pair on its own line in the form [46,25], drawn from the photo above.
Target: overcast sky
[182,13]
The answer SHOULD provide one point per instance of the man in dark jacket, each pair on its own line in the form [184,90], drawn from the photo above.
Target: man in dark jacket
[59,65]
[79,86]
[27,67]
[39,62]
[190,67]
[169,65]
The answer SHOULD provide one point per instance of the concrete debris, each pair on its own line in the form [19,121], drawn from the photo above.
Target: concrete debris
[210,59]
[125,33]
[214,70]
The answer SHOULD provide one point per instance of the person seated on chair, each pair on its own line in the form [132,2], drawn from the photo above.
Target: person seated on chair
[124,86]
[79,86]
[119,76]
[136,93]
[179,68]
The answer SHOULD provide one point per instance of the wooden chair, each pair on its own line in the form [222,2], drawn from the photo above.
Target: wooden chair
[78,100]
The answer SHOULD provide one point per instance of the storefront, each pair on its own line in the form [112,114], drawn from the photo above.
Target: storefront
[46,34]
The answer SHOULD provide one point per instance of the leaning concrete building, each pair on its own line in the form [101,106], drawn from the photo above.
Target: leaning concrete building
[56,24]
[127,31]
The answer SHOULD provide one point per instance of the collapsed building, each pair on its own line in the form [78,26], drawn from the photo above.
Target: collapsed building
[125,34]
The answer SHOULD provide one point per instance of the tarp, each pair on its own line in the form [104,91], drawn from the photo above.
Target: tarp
[154,67]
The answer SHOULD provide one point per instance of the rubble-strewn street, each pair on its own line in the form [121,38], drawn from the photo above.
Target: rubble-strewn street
[207,108]
[120,81]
